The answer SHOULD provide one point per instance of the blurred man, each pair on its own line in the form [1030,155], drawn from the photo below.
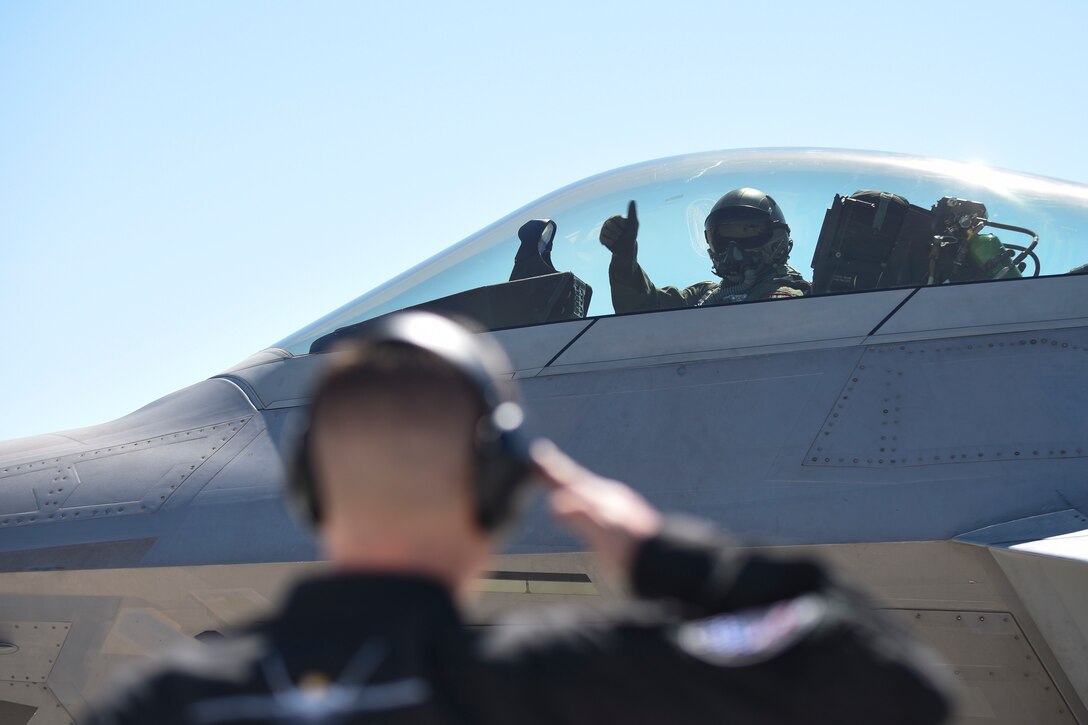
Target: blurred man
[749,244]
[414,464]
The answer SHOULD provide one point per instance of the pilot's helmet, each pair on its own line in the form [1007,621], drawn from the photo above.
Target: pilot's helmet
[746,231]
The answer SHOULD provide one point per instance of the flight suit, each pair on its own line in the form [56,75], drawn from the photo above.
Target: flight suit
[632,290]
[719,636]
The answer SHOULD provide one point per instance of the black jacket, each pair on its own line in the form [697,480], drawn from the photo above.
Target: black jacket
[719,637]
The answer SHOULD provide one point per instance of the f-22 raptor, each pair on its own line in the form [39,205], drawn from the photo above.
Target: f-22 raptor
[919,420]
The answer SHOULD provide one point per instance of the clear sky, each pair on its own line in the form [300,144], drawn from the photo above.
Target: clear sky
[182,184]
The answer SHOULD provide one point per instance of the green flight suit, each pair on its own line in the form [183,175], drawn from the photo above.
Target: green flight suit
[632,290]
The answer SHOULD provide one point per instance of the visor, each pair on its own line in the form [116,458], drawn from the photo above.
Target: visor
[747,228]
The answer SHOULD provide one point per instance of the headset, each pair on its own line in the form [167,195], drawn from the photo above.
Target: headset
[502,463]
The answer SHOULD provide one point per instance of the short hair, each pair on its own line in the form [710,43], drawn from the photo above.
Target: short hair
[408,379]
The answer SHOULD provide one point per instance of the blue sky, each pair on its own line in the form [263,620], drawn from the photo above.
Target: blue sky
[182,184]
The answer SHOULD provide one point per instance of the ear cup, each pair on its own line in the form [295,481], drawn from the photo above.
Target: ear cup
[302,484]
[502,472]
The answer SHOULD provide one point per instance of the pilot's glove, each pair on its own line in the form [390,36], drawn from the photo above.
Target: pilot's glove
[619,234]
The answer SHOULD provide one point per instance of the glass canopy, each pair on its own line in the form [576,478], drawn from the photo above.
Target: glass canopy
[674,196]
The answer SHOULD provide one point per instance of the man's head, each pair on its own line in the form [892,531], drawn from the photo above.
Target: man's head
[413,456]
[746,233]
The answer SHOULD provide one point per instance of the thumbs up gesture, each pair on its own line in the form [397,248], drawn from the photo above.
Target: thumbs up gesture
[619,234]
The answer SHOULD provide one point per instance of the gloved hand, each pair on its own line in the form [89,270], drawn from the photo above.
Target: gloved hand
[619,234]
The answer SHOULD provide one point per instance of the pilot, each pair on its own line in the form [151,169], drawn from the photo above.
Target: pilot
[748,241]
[413,467]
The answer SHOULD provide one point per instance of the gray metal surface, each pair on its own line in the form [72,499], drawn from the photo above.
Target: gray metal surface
[1005,306]
[728,331]
[768,418]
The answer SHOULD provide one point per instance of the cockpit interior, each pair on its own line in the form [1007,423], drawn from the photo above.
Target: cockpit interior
[859,221]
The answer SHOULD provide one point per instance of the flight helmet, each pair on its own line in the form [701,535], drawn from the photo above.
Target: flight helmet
[746,232]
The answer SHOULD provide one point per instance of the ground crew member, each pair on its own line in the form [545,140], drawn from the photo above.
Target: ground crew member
[414,464]
[747,239]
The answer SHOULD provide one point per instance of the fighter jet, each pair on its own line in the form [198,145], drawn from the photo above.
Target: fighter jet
[918,419]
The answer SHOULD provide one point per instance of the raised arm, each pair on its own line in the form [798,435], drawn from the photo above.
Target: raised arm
[726,636]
